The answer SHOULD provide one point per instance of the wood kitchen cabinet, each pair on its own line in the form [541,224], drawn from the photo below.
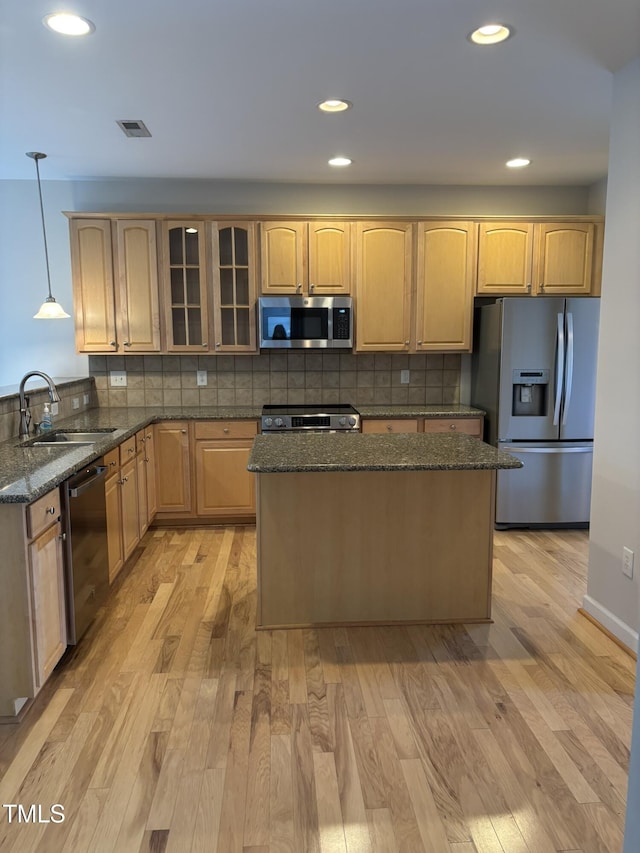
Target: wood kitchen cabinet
[234,286]
[384,264]
[33,632]
[306,258]
[146,466]
[468,425]
[184,285]
[122,505]
[224,487]
[115,285]
[173,468]
[559,258]
[393,426]
[445,277]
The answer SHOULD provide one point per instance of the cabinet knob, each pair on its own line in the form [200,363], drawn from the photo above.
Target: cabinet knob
[217,344]
[541,286]
[130,450]
[146,459]
[183,431]
[125,479]
[225,429]
[406,343]
[419,343]
[205,344]
[113,344]
[62,537]
[529,287]
[126,344]
[148,436]
[113,464]
[298,288]
[452,426]
[312,287]
[51,510]
[390,427]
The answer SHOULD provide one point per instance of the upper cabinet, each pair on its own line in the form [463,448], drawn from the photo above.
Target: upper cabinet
[446,271]
[383,286]
[234,286]
[184,286]
[115,285]
[560,258]
[305,257]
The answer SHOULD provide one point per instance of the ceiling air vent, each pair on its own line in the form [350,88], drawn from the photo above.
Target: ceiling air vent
[133,127]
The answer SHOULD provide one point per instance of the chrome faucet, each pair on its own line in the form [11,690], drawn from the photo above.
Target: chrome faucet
[24,404]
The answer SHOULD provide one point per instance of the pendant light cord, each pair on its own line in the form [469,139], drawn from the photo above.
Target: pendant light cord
[44,230]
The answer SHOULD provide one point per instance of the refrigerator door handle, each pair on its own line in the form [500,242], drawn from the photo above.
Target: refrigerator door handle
[511,448]
[559,369]
[569,388]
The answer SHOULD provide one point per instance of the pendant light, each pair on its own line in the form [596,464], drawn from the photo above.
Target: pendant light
[50,309]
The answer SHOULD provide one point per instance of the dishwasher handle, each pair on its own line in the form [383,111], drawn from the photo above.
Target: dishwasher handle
[97,473]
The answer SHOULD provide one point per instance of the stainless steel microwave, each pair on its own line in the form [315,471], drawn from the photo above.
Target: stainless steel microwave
[301,322]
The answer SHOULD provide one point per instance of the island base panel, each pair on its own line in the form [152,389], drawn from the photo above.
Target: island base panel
[370,547]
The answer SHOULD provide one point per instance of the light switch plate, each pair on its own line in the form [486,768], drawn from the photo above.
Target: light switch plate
[85,399]
[201,377]
[404,377]
[54,408]
[118,378]
[75,403]
[627,562]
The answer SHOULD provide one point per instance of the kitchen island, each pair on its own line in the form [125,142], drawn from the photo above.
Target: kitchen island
[374,529]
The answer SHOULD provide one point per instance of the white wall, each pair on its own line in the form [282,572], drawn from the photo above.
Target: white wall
[49,345]
[615,506]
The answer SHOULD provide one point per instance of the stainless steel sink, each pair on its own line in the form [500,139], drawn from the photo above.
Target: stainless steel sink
[61,437]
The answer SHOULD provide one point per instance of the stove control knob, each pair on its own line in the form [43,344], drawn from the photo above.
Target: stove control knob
[352,421]
[342,421]
[268,422]
[279,422]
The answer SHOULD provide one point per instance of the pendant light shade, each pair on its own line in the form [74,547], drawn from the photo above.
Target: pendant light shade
[50,309]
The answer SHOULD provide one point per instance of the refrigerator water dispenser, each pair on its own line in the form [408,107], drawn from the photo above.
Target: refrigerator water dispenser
[530,394]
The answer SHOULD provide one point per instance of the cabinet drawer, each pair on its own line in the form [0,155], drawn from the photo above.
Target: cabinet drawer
[469,426]
[42,513]
[127,450]
[112,461]
[226,429]
[395,425]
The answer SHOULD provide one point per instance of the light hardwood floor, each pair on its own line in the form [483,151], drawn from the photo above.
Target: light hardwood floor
[176,727]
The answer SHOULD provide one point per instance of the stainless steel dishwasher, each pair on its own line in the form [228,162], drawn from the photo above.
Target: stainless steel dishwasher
[86,557]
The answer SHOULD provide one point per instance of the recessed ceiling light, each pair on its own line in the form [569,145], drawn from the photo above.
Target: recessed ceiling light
[334,105]
[340,161]
[518,162]
[68,24]
[491,34]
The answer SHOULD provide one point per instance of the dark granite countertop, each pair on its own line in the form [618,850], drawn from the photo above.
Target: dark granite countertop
[27,473]
[317,452]
[434,410]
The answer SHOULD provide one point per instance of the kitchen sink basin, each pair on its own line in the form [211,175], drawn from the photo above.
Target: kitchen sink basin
[61,437]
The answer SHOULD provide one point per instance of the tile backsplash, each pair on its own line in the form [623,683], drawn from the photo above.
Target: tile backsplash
[69,390]
[291,377]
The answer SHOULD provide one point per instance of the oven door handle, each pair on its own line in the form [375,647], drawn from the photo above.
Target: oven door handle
[98,473]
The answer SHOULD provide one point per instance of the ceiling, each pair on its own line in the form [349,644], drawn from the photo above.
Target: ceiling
[229,90]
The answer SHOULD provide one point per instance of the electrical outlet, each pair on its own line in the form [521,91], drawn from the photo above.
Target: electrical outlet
[75,403]
[85,399]
[201,377]
[118,378]
[54,408]
[404,377]
[627,562]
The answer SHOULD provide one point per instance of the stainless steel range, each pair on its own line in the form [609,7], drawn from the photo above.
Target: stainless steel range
[310,418]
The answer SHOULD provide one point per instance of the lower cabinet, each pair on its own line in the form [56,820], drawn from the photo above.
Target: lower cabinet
[201,471]
[33,623]
[390,425]
[224,487]
[122,505]
[48,608]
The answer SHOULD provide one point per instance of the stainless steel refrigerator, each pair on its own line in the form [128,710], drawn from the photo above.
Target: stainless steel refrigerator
[534,373]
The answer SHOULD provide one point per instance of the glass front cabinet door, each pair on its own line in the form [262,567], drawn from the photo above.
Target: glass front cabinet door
[185,286]
[234,286]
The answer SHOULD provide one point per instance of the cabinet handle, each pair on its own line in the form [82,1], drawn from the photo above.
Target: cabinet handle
[541,287]
[183,431]
[225,429]
[113,464]
[113,344]
[406,343]
[298,288]
[148,437]
[146,459]
[51,510]
[126,344]
[529,287]
[390,427]
[217,344]
[125,479]
[312,287]
[62,537]
[205,344]
[419,343]
[130,450]
[452,426]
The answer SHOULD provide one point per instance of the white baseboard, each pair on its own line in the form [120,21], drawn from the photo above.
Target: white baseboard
[611,622]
